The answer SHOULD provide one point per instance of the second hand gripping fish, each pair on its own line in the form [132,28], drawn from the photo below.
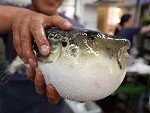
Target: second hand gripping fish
[84,65]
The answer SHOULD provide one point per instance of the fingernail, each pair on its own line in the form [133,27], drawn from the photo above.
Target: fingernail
[52,101]
[45,49]
[32,62]
[39,91]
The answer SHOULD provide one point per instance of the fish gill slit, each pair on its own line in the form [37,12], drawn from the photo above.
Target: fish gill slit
[119,63]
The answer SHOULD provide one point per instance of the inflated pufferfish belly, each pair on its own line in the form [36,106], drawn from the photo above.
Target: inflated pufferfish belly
[84,65]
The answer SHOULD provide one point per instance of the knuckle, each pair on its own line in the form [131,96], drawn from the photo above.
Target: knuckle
[54,17]
[35,23]
[26,54]
[19,24]
[25,37]
[24,21]
[16,44]
[36,28]
[57,20]
[14,26]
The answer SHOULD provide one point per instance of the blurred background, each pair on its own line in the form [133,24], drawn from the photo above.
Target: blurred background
[133,96]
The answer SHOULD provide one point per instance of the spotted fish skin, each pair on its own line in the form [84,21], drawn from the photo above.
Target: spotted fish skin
[83,65]
[89,41]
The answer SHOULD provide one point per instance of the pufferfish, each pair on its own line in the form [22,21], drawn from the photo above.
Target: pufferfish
[84,65]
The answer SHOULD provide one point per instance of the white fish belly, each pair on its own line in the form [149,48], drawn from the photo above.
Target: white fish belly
[83,79]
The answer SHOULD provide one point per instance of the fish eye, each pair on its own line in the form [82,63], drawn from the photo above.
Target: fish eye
[91,33]
[91,38]
[64,44]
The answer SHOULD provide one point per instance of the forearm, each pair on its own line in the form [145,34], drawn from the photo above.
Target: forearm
[145,29]
[7,15]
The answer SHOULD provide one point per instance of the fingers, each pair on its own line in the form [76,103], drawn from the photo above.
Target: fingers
[40,83]
[38,33]
[41,88]
[22,40]
[24,30]
[57,21]
[16,39]
[52,94]
[31,73]
[26,43]
[27,28]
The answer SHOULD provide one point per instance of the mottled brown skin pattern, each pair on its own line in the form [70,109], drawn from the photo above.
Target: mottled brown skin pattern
[100,42]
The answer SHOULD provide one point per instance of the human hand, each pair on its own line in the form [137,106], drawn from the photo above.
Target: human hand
[27,26]
[31,25]
[41,87]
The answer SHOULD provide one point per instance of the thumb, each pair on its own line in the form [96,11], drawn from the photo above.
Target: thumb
[57,21]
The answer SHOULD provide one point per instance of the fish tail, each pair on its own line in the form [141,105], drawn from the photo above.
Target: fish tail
[5,74]
[7,69]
